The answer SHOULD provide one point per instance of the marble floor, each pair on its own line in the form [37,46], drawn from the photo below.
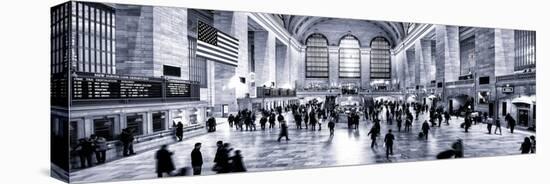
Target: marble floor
[314,149]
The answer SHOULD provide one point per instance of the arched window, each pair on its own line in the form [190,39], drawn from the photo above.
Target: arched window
[316,56]
[350,59]
[380,62]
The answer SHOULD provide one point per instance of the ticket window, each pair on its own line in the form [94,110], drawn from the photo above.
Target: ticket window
[135,123]
[159,121]
[105,127]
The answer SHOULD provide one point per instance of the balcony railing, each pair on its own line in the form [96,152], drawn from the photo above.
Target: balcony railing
[517,76]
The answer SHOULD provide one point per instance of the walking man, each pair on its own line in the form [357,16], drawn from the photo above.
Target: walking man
[196,159]
[388,140]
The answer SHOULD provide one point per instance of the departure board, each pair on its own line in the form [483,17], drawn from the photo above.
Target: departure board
[101,86]
[178,89]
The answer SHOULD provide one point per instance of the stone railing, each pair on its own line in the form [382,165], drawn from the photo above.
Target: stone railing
[460,82]
[518,76]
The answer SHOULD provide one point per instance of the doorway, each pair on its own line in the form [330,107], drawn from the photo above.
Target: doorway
[523,117]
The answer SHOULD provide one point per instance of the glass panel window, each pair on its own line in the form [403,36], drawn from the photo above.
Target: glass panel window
[525,50]
[317,56]
[350,60]
[105,128]
[159,119]
[380,65]
[135,123]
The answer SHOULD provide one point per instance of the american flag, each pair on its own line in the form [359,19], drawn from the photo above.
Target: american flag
[216,45]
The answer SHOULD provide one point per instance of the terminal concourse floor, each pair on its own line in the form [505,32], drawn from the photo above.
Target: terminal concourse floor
[314,149]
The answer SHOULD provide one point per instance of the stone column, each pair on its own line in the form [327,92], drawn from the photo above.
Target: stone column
[226,84]
[420,64]
[333,65]
[504,51]
[447,53]
[170,43]
[282,66]
[365,68]
[264,53]
[412,68]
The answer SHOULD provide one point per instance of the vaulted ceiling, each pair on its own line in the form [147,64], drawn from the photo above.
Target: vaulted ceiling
[301,27]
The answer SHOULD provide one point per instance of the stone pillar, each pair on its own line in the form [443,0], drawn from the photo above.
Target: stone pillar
[148,123]
[264,52]
[447,53]
[504,52]
[170,43]
[420,60]
[428,64]
[282,66]
[88,126]
[365,68]
[333,66]
[494,54]
[134,40]
[226,84]
[412,68]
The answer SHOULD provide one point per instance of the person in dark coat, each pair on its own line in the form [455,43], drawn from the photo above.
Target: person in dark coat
[399,123]
[298,120]
[331,125]
[211,123]
[179,131]
[511,122]
[458,148]
[425,129]
[447,117]
[100,148]
[217,157]
[388,140]
[84,148]
[127,139]
[196,159]
[533,144]
[237,162]
[284,132]
[272,121]
[263,121]
[164,161]
[373,134]
[526,146]
[280,119]
[230,120]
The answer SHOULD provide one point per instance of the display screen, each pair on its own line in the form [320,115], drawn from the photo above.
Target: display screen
[88,86]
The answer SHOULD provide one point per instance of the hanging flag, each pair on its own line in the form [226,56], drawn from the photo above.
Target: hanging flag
[216,45]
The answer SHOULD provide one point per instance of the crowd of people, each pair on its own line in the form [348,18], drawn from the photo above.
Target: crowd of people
[225,161]
[311,116]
